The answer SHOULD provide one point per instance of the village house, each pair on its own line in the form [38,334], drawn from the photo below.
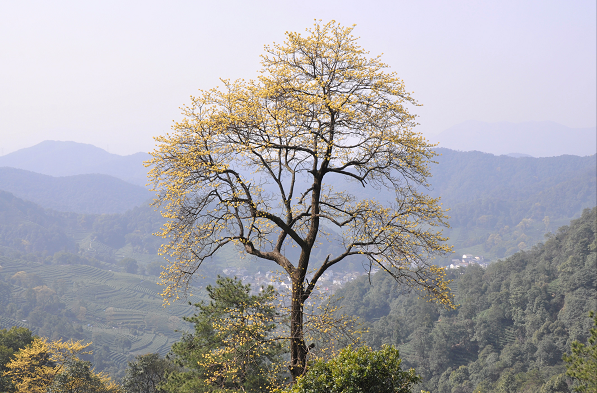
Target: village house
[468,260]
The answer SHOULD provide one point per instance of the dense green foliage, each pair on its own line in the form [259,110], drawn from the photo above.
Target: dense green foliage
[78,377]
[38,305]
[11,341]
[146,373]
[358,371]
[515,319]
[582,362]
[232,347]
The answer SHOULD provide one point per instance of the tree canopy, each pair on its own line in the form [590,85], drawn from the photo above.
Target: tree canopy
[54,366]
[582,362]
[272,164]
[233,347]
[11,341]
[146,373]
[359,370]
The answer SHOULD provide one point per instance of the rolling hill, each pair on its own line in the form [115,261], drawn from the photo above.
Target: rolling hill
[538,139]
[87,194]
[58,158]
[120,313]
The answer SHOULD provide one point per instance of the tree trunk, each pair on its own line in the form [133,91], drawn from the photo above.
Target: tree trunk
[298,349]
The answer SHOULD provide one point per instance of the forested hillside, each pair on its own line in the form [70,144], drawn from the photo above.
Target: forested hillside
[65,298]
[500,205]
[91,277]
[465,176]
[514,321]
[28,228]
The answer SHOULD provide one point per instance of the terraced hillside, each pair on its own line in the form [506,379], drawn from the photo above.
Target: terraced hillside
[120,311]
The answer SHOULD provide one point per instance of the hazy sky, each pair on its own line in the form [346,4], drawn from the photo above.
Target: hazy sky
[114,73]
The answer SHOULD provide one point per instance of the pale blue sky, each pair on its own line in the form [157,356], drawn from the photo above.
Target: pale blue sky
[114,73]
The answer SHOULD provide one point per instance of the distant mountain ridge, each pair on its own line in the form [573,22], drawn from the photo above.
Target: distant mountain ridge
[463,176]
[490,197]
[538,139]
[493,197]
[58,158]
[518,140]
[89,194]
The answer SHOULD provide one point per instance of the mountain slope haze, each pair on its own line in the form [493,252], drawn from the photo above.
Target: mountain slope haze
[58,158]
[538,139]
[90,194]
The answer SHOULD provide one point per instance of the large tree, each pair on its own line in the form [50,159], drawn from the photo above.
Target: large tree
[277,163]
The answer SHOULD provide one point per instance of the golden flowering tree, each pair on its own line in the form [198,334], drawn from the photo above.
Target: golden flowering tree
[38,366]
[268,164]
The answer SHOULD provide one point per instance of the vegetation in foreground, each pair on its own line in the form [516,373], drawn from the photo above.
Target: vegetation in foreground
[358,370]
[42,366]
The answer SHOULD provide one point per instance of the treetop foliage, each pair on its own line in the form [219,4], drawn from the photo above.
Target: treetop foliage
[54,366]
[11,341]
[359,370]
[146,373]
[582,362]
